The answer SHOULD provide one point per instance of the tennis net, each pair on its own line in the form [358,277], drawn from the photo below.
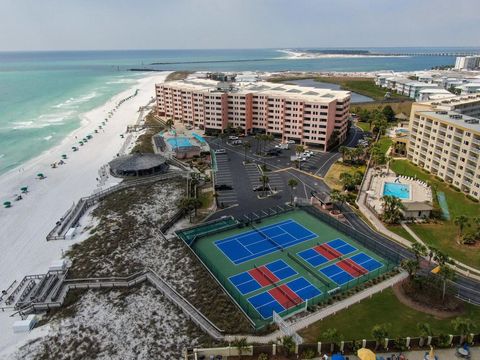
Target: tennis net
[265,236]
[295,301]
[352,265]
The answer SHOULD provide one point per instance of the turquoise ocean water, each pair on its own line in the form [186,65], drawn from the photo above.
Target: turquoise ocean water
[42,94]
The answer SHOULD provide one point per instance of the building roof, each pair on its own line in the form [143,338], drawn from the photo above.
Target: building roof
[417,206]
[296,92]
[136,162]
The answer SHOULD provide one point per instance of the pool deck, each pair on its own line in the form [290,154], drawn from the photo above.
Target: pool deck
[419,192]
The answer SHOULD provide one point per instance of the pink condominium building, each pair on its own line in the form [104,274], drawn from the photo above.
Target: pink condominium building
[305,114]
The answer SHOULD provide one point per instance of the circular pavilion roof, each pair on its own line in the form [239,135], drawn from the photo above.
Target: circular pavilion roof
[136,162]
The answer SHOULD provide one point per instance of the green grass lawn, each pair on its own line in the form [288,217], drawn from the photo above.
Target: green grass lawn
[363,125]
[332,178]
[361,86]
[356,322]
[384,143]
[399,230]
[442,234]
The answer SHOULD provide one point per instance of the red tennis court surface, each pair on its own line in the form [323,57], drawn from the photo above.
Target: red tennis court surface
[352,267]
[327,251]
[285,296]
[263,276]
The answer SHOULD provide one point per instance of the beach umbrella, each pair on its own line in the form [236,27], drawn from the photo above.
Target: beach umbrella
[7,204]
[64,156]
[24,189]
[40,175]
[366,354]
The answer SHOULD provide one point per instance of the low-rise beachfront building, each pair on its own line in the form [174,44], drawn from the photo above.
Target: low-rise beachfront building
[307,115]
[445,140]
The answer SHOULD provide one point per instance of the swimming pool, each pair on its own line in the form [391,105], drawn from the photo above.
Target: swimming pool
[179,142]
[401,191]
[198,137]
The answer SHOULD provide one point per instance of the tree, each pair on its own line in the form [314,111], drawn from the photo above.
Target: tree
[462,222]
[431,253]
[292,183]
[441,258]
[411,267]
[446,273]
[388,112]
[337,197]
[241,345]
[169,123]
[419,250]
[343,150]
[331,335]
[215,196]
[463,326]
[246,146]
[392,207]
[288,345]
[264,180]
[299,149]
[333,139]
[425,330]
[188,204]
[379,333]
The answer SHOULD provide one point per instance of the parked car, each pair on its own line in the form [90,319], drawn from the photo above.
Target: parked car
[223,187]
[274,152]
[290,141]
[260,188]
[232,137]
[283,146]
[220,151]
[236,142]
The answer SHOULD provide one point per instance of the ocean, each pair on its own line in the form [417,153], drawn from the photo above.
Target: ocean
[43,94]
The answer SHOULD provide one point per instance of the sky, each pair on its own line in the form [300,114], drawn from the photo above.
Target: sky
[218,24]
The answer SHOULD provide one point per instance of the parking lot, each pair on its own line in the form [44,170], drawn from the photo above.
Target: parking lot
[223,177]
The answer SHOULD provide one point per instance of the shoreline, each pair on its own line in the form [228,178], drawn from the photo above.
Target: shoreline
[25,225]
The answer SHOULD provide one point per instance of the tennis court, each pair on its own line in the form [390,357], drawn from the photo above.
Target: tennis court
[349,269]
[282,262]
[264,240]
[283,297]
[326,252]
[265,275]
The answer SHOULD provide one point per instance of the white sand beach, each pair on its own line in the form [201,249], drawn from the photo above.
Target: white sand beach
[23,227]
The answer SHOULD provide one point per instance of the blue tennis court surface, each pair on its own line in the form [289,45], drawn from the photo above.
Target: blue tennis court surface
[249,281]
[253,244]
[341,275]
[336,274]
[315,258]
[267,302]
[367,262]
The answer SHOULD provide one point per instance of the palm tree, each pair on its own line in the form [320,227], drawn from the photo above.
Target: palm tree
[446,273]
[379,333]
[264,180]
[292,183]
[169,123]
[246,146]
[463,327]
[462,222]
[299,149]
[288,345]
[419,250]
[411,267]
[392,207]
[332,336]
[188,204]
[343,150]
[425,330]
[241,345]
[441,258]
[431,253]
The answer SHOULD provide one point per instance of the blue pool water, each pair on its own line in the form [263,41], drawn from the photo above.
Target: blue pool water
[198,137]
[400,191]
[179,142]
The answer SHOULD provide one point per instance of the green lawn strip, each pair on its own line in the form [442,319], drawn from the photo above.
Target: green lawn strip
[363,86]
[384,143]
[399,230]
[441,234]
[356,322]
[363,125]
[223,268]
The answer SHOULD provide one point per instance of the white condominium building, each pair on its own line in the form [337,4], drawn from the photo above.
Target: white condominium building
[445,140]
[305,114]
